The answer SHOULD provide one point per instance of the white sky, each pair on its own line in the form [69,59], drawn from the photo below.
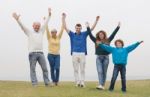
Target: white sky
[133,14]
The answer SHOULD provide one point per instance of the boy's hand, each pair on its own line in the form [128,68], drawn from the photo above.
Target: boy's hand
[141,42]
[98,42]
[119,24]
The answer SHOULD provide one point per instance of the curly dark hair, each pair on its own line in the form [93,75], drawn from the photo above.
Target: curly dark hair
[105,40]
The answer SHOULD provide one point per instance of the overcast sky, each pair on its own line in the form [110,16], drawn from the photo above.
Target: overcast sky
[135,26]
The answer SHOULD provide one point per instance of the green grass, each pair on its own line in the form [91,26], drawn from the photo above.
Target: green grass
[67,89]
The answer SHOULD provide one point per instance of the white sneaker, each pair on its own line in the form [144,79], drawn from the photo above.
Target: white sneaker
[77,85]
[100,87]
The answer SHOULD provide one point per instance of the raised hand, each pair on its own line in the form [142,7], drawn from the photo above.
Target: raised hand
[49,11]
[15,16]
[141,41]
[63,16]
[87,24]
[119,24]
[97,18]
[95,23]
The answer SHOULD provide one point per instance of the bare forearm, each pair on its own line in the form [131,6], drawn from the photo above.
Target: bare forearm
[47,31]
[95,23]
[26,31]
[46,22]
[65,26]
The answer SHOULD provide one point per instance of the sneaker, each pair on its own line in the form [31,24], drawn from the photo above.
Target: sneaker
[111,90]
[77,85]
[56,83]
[82,85]
[124,91]
[46,85]
[34,85]
[100,87]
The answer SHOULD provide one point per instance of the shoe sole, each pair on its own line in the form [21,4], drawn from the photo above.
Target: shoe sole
[99,88]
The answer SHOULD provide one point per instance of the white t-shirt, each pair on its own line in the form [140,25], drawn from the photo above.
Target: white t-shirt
[35,39]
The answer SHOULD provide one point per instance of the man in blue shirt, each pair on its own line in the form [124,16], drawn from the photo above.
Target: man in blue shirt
[79,50]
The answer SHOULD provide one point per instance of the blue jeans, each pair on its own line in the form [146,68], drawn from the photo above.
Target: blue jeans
[35,57]
[54,61]
[102,62]
[122,69]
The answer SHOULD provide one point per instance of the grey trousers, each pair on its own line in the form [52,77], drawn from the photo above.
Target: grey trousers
[35,57]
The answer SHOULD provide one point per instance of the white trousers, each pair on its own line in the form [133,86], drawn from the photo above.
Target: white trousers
[78,60]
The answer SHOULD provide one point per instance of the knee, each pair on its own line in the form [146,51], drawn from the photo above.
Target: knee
[99,71]
[45,70]
[76,70]
[123,78]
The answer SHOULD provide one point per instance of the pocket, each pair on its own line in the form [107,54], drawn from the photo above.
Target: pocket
[30,55]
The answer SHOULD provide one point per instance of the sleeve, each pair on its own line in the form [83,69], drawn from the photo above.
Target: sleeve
[132,47]
[61,32]
[113,34]
[70,33]
[106,47]
[91,35]
[26,30]
[48,33]
[45,24]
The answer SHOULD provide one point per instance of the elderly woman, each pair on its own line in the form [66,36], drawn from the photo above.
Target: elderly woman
[54,52]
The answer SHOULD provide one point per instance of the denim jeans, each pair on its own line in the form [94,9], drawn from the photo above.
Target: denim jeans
[102,62]
[122,69]
[54,61]
[35,57]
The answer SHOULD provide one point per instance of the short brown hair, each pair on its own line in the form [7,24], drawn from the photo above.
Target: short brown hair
[78,25]
[119,40]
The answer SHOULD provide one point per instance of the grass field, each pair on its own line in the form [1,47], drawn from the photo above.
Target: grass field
[67,89]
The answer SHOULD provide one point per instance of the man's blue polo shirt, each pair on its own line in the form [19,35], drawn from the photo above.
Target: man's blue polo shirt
[78,42]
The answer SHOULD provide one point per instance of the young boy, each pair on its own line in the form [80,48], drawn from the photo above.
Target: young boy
[119,55]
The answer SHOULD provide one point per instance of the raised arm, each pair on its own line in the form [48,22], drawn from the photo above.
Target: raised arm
[111,37]
[133,46]
[95,23]
[90,33]
[106,47]
[62,26]
[48,33]
[17,18]
[64,23]
[46,21]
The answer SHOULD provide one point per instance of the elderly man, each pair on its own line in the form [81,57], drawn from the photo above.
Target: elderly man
[35,46]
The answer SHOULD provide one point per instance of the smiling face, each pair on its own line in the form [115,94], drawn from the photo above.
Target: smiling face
[36,26]
[101,35]
[119,43]
[53,32]
[78,28]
